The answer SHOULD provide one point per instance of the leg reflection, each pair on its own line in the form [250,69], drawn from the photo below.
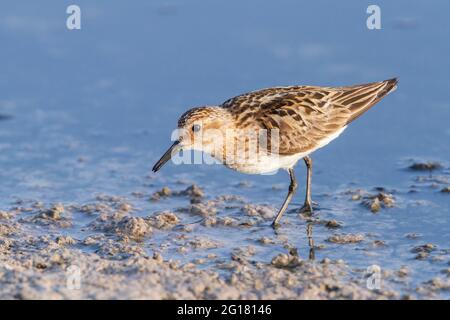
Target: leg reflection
[309,234]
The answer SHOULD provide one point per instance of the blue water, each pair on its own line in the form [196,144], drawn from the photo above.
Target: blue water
[91,110]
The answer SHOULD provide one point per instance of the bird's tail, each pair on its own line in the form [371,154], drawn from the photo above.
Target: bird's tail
[360,98]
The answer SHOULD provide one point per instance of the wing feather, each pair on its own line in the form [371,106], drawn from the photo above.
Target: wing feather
[305,115]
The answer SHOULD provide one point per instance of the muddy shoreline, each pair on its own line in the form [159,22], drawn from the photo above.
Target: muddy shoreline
[120,253]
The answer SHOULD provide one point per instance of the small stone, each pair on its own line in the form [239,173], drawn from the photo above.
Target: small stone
[138,194]
[403,272]
[387,199]
[125,207]
[266,240]
[244,184]
[428,247]
[425,166]
[209,221]
[199,261]
[422,255]
[346,238]
[283,260]
[56,259]
[375,206]
[158,257]
[378,201]
[211,256]
[187,228]
[55,212]
[182,250]
[64,240]
[379,243]
[90,241]
[203,243]
[413,235]
[228,221]
[193,191]
[332,224]
[164,192]
[4,215]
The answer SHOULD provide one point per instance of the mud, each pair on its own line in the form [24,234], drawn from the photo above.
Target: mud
[118,251]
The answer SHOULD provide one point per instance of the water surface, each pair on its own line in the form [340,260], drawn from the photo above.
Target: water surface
[88,112]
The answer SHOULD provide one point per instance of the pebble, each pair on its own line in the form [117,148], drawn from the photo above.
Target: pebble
[425,166]
[346,238]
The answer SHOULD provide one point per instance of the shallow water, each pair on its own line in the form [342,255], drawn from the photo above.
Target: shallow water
[90,111]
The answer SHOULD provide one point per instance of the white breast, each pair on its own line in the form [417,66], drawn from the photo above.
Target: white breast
[269,164]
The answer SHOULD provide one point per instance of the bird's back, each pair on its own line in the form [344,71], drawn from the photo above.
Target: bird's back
[305,116]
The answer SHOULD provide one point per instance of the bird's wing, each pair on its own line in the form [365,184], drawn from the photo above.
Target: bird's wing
[305,116]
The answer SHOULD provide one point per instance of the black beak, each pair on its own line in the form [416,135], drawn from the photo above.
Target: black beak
[167,156]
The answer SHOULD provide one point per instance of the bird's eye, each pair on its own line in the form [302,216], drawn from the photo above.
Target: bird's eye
[196,128]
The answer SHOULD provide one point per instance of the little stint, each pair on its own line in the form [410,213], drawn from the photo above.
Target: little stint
[270,129]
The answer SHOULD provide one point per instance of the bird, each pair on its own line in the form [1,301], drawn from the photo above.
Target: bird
[293,121]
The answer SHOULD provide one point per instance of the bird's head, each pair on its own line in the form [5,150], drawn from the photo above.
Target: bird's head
[202,129]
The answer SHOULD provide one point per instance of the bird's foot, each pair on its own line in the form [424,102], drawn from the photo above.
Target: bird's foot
[307,208]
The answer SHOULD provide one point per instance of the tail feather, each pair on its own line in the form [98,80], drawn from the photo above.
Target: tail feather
[358,99]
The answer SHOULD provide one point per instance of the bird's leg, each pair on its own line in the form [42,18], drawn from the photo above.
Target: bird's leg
[307,206]
[292,189]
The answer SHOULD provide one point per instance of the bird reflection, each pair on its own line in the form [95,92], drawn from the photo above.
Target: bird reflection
[309,234]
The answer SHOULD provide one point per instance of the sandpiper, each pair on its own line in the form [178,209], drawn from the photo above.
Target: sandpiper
[302,118]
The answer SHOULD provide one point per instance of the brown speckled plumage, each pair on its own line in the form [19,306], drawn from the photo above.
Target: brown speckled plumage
[303,118]
[305,115]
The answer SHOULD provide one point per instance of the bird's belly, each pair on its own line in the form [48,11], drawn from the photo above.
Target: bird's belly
[266,164]
[271,163]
